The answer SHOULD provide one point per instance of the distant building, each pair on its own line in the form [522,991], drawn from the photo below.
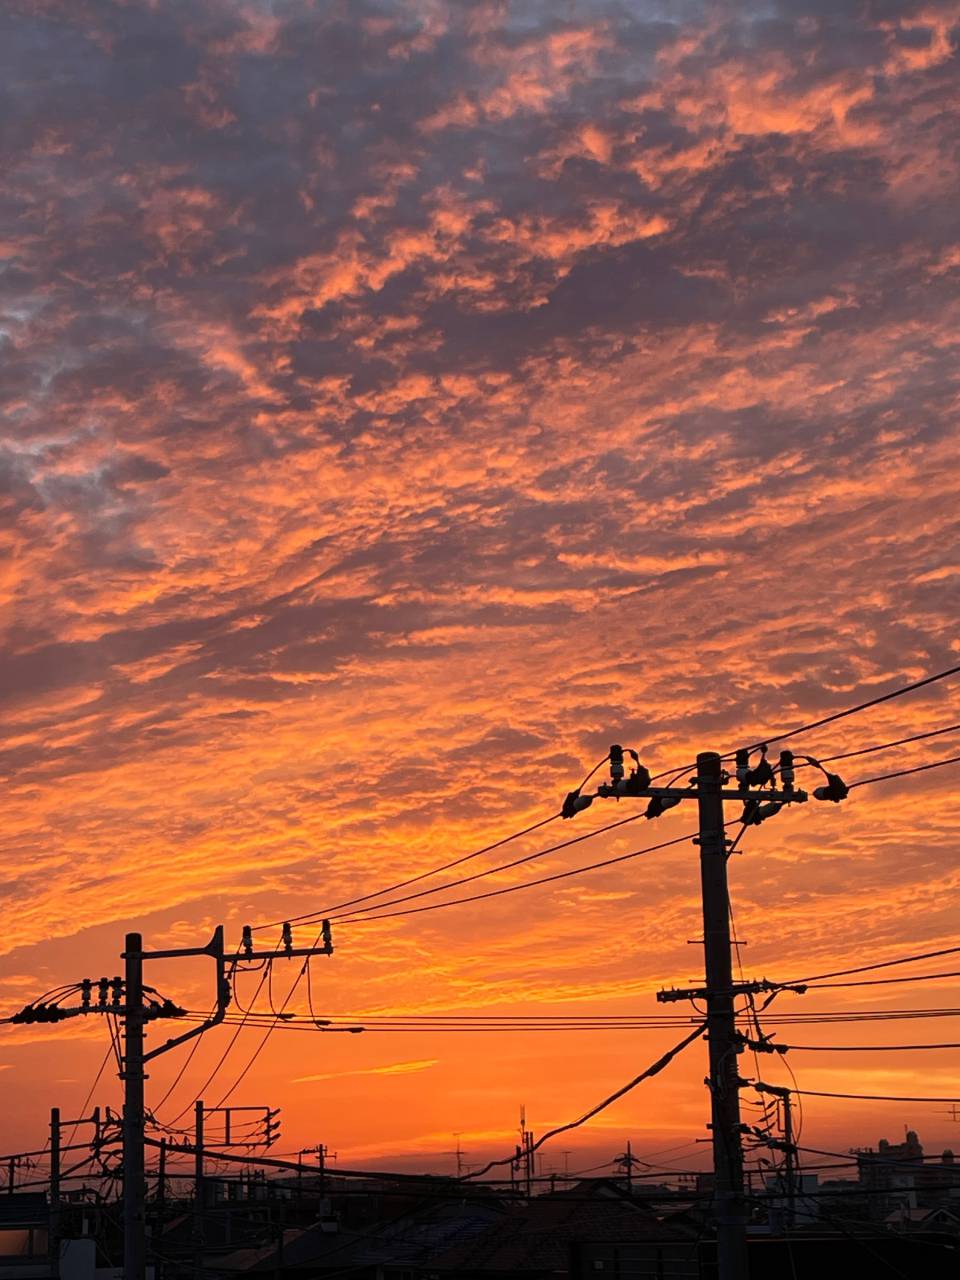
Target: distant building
[901,1180]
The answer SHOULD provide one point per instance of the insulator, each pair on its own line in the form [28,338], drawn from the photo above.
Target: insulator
[762,773]
[754,812]
[103,987]
[659,804]
[743,768]
[286,936]
[638,781]
[834,789]
[575,803]
[117,988]
[246,940]
[86,990]
[326,935]
[787,775]
[616,762]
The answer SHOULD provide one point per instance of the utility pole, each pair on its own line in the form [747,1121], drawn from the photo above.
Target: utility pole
[787,1146]
[162,1179]
[761,800]
[134,1178]
[628,1160]
[54,1231]
[790,1157]
[137,1005]
[724,1081]
[198,1190]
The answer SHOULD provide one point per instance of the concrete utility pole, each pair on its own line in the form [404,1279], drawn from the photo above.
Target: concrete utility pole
[134,1177]
[787,1146]
[761,801]
[134,1185]
[790,1157]
[53,1246]
[724,1081]
[138,1005]
[198,1189]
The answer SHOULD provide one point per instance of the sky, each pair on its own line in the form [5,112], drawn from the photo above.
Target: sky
[401,403]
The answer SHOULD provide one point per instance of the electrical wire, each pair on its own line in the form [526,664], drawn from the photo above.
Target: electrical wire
[654,1069]
[850,711]
[386,915]
[884,982]
[504,866]
[403,884]
[881,964]
[413,1025]
[229,1048]
[529,884]
[903,773]
[865,1097]
[884,746]
[90,1091]
[862,1048]
[270,1029]
[769,740]
[185,1064]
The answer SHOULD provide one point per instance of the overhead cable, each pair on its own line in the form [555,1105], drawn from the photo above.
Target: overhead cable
[528,884]
[504,866]
[880,964]
[403,884]
[654,1069]
[860,706]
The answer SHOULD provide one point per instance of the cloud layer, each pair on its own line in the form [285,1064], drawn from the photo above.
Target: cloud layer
[404,400]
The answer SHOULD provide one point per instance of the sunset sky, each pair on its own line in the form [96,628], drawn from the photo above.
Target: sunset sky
[402,401]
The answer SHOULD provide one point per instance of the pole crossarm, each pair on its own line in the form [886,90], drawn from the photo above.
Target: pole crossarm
[757,987]
[214,949]
[762,1045]
[622,790]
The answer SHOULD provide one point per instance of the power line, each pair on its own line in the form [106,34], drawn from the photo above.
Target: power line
[864,1097]
[884,982]
[229,1048]
[300,1023]
[504,866]
[380,893]
[387,915]
[90,1092]
[270,1029]
[881,964]
[654,1069]
[529,884]
[885,746]
[903,773]
[862,1048]
[183,1068]
[850,711]
[403,884]
[831,719]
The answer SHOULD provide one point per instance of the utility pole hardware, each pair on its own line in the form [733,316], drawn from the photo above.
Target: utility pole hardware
[762,799]
[136,1004]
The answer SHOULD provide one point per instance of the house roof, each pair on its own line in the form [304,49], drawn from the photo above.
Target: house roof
[537,1235]
[415,1237]
[921,1215]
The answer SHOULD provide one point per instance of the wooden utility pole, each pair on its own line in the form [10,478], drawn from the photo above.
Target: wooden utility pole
[724,1081]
